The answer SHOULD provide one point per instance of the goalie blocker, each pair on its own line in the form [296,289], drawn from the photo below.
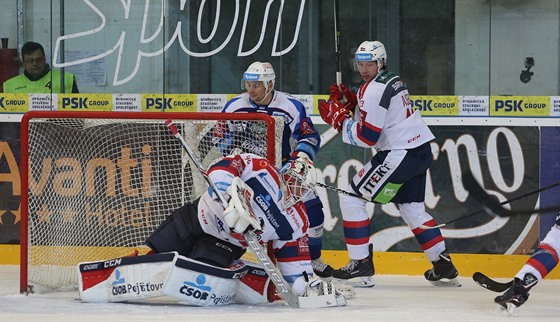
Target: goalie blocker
[132,279]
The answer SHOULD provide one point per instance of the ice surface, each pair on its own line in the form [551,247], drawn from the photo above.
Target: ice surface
[394,298]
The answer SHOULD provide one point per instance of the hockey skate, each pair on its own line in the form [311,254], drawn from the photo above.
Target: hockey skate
[322,269]
[444,272]
[362,269]
[517,294]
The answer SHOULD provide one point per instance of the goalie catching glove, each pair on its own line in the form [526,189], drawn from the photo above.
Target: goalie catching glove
[334,113]
[239,215]
[339,92]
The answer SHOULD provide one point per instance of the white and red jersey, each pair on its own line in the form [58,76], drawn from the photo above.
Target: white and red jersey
[387,118]
[278,224]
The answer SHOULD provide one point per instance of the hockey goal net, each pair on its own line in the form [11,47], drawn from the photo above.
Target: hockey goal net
[96,184]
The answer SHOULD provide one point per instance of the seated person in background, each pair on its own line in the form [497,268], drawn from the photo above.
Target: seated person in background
[38,77]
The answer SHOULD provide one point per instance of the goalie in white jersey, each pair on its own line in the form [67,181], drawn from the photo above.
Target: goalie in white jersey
[207,241]
[396,173]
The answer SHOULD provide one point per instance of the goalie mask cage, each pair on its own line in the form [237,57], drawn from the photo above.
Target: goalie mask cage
[96,184]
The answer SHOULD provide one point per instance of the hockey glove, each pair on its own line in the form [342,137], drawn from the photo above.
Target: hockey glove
[334,113]
[239,215]
[338,92]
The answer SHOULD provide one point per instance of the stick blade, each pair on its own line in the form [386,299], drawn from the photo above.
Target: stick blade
[489,283]
[489,203]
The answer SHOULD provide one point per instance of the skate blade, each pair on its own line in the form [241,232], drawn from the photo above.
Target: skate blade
[453,282]
[511,309]
[359,282]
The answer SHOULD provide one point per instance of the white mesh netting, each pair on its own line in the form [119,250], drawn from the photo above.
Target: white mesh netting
[98,187]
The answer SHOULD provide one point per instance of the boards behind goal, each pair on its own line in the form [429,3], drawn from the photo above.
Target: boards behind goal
[96,184]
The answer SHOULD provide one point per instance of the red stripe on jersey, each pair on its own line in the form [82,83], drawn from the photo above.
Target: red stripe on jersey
[262,163]
[362,90]
[365,131]
[302,212]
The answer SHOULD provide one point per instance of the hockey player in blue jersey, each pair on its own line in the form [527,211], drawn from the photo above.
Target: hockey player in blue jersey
[396,173]
[542,262]
[300,140]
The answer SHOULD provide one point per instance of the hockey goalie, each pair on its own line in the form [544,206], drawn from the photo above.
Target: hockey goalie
[195,255]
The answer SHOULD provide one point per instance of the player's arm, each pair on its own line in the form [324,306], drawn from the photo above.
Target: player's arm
[305,134]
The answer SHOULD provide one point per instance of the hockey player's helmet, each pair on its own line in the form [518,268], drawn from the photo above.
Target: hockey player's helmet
[259,71]
[298,181]
[370,51]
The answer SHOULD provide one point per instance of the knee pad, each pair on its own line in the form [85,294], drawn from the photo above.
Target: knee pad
[414,214]
[211,250]
[177,232]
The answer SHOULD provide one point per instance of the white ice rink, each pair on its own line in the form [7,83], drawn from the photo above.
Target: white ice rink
[394,298]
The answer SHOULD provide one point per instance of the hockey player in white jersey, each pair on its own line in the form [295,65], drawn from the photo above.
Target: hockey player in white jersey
[537,267]
[196,251]
[300,140]
[396,173]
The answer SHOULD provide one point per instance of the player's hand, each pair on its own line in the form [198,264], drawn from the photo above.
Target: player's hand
[333,113]
[341,93]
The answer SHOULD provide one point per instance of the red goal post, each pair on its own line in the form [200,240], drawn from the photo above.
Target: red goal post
[96,184]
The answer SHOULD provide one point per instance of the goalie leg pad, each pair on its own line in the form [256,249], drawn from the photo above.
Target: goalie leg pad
[253,287]
[124,279]
[200,284]
[178,232]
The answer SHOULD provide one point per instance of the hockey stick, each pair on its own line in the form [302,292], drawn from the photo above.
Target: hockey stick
[479,194]
[282,286]
[489,283]
[348,193]
[490,203]
[337,44]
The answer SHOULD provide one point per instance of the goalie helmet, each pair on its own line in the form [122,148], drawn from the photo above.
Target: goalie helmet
[298,181]
[259,72]
[370,51]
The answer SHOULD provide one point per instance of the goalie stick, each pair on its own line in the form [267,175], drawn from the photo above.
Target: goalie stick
[490,284]
[490,204]
[284,289]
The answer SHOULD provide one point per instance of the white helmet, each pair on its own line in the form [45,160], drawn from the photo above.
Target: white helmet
[370,51]
[298,181]
[259,71]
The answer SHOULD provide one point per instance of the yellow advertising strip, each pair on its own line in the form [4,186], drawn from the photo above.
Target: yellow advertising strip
[520,106]
[316,101]
[436,105]
[169,103]
[386,263]
[85,102]
[432,106]
[14,103]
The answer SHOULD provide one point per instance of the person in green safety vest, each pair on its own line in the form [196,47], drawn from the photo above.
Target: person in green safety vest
[38,77]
